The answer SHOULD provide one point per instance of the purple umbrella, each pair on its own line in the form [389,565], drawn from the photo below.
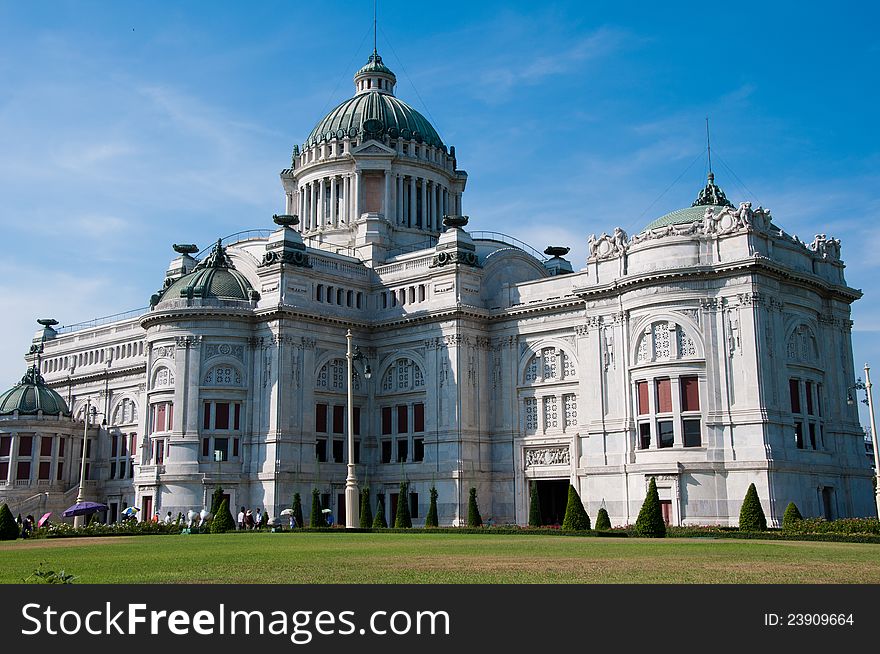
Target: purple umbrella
[84,508]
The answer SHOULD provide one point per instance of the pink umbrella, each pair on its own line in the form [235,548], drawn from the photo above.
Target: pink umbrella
[42,520]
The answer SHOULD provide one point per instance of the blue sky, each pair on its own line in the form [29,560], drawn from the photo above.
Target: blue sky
[126,126]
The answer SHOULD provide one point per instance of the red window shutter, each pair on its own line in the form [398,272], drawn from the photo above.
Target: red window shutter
[402,426]
[664,396]
[338,419]
[160,418]
[690,394]
[25,445]
[237,416]
[206,421]
[5,444]
[386,419]
[357,421]
[418,417]
[794,389]
[642,388]
[321,418]
[46,448]
[221,415]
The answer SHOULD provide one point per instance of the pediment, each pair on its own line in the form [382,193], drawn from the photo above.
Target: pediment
[373,147]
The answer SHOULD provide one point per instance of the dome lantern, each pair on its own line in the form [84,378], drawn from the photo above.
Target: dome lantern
[375,76]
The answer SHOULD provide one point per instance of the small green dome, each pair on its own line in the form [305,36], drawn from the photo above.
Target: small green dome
[31,395]
[710,196]
[374,65]
[214,277]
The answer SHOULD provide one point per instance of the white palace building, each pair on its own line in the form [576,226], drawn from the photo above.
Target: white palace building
[709,351]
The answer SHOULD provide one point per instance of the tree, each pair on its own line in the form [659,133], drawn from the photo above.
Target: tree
[751,515]
[534,506]
[223,520]
[791,516]
[431,519]
[216,500]
[366,517]
[402,519]
[8,526]
[297,510]
[379,521]
[576,518]
[317,519]
[650,523]
[603,522]
[473,519]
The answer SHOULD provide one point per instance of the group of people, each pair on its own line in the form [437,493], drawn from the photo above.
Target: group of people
[250,519]
[26,526]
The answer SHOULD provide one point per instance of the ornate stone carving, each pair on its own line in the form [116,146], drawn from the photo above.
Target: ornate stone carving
[307,343]
[581,330]
[827,248]
[749,299]
[693,314]
[165,351]
[548,456]
[709,304]
[606,247]
[224,349]
[593,322]
[447,257]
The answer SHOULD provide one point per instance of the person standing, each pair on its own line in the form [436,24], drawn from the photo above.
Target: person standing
[258,520]
[241,519]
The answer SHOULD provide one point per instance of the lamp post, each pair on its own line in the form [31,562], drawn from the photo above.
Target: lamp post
[352,493]
[869,400]
[80,496]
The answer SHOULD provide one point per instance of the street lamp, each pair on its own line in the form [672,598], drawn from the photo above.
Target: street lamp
[91,412]
[869,400]
[352,493]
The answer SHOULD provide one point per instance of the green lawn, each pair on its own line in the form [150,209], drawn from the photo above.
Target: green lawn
[439,558]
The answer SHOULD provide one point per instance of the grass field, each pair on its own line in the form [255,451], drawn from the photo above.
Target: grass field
[438,558]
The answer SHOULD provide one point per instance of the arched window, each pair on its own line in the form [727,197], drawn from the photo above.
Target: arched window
[550,364]
[163,377]
[222,376]
[331,376]
[402,376]
[126,412]
[665,341]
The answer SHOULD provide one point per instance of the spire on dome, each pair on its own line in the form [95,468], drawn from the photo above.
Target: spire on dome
[712,194]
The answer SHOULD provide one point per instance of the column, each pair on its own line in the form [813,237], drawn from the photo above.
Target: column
[444,201]
[302,208]
[429,189]
[398,205]
[334,201]
[424,202]
[386,208]
[411,219]
[346,199]
[13,460]
[313,209]
[322,199]
[355,199]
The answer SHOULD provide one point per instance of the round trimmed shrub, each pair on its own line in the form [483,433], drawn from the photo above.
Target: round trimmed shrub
[534,506]
[603,522]
[379,521]
[223,520]
[650,523]
[8,526]
[403,520]
[317,519]
[791,516]
[751,515]
[576,518]
[366,513]
[473,518]
[431,520]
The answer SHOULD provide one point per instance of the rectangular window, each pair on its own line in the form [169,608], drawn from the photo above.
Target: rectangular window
[89,449]
[414,505]
[60,474]
[690,430]
[25,445]
[402,426]
[235,447]
[321,450]
[418,449]
[665,432]
[386,451]
[206,447]
[159,417]
[357,421]
[794,390]
[664,396]
[4,471]
[321,418]
[402,450]
[122,469]
[114,447]
[813,435]
[237,416]
[61,446]
[418,417]
[799,435]
[642,390]
[112,470]
[221,445]
[339,419]
[206,419]
[357,450]
[386,420]
[24,470]
[644,435]
[132,446]
[45,447]
[690,394]
[819,399]
[808,387]
[159,451]
[337,451]
[5,445]
[221,415]
[43,470]
[122,451]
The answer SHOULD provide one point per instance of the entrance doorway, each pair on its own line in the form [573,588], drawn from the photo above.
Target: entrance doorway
[827,502]
[666,509]
[552,496]
[147,508]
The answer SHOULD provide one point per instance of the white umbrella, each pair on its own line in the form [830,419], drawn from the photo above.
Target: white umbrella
[325,510]
[287,512]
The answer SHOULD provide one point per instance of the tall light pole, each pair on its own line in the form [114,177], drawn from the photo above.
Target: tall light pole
[80,496]
[869,400]
[352,493]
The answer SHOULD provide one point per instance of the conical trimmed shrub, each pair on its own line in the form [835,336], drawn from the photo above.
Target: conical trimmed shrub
[8,526]
[379,521]
[603,522]
[216,500]
[650,523]
[317,519]
[473,519]
[297,508]
[791,516]
[534,506]
[431,519]
[576,518]
[403,520]
[751,515]
[366,513]
[223,520]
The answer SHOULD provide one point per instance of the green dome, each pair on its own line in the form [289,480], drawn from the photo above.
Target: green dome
[31,395]
[710,196]
[215,277]
[374,65]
